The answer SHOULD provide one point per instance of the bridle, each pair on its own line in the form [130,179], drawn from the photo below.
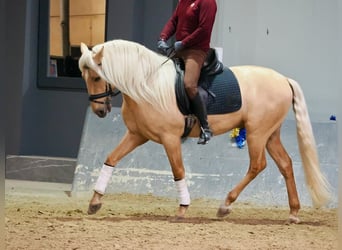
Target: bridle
[108,93]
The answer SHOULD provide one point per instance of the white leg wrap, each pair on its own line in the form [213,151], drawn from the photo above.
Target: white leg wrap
[183,192]
[103,179]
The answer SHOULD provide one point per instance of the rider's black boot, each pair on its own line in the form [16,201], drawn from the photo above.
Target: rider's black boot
[200,110]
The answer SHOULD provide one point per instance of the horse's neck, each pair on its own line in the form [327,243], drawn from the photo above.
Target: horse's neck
[134,107]
[129,102]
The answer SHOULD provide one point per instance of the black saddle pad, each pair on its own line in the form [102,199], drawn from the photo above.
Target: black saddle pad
[221,93]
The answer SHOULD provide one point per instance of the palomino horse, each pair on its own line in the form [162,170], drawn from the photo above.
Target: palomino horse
[147,82]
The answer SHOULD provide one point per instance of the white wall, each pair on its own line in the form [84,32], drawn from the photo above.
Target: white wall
[302,43]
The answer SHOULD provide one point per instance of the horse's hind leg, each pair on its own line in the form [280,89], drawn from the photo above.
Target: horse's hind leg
[284,163]
[256,149]
[128,143]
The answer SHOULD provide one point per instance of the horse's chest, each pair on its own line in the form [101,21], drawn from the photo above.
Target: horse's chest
[135,121]
[131,122]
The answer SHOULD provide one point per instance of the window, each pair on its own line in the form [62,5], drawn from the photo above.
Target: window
[63,25]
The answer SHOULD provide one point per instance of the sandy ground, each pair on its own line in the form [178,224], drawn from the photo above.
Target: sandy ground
[48,218]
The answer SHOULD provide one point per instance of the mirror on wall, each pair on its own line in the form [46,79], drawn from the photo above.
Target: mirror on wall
[63,25]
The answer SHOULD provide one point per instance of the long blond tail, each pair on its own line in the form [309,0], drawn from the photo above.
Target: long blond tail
[318,186]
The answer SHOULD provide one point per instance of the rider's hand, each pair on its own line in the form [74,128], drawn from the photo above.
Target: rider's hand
[162,47]
[178,46]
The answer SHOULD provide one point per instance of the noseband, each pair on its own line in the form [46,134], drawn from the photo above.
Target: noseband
[108,93]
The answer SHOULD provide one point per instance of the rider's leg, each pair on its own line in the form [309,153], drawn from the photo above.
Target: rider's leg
[194,60]
[200,110]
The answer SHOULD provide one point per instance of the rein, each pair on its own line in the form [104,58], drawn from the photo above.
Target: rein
[169,56]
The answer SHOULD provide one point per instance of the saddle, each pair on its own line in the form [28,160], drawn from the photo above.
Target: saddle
[217,86]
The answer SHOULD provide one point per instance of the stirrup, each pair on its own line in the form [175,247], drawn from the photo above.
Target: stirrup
[205,136]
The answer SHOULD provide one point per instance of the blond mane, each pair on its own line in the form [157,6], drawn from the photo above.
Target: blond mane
[136,71]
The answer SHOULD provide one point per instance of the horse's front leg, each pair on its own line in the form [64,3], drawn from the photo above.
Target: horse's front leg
[127,144]
[172,145]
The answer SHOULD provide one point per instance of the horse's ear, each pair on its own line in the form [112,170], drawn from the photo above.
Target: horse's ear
[84,48]
[98,56]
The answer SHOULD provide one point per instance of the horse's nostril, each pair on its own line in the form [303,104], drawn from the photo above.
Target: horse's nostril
[101,113]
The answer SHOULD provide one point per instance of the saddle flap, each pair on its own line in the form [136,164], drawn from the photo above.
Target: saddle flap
[212,65]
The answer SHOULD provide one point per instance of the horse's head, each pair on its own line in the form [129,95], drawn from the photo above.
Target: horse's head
[139,73]
[99,90]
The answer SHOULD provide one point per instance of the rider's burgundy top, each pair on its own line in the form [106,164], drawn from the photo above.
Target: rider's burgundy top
[192,22]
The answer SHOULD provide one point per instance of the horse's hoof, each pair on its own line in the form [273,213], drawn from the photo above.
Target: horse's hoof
[93,208]
[177,218]
[293,220]
[182,210]
[223,211]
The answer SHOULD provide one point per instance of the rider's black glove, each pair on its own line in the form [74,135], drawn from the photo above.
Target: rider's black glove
[162,47]
[178,46]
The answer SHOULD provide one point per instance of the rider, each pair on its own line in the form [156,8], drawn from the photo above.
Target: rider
[192,23]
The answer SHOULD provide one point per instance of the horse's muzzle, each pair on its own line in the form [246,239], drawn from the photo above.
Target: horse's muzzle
[102,112]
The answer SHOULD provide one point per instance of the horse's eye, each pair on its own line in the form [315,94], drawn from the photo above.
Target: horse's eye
[97,79]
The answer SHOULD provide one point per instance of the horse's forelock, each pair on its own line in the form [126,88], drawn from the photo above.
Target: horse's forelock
[86,62]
